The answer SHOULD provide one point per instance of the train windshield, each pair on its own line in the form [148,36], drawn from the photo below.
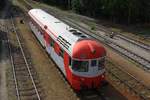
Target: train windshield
[80,66]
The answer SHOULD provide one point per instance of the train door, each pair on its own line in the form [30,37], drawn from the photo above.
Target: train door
[57,55]
[60,59]
[47,43]
[40,34]
[67,65]
[51,48]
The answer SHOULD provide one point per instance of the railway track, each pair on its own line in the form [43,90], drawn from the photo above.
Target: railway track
[26,81]
[135,42]
[121,76]
[128,80]
[123,37]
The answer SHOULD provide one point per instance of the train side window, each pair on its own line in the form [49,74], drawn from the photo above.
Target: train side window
[52,43]
[61,53]
[41,33]
[69,61]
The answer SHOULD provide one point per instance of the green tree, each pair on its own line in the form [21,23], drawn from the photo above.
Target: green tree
[76,6]
[2,3]
[117,10]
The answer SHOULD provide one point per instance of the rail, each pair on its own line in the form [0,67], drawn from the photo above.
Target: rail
[26,63]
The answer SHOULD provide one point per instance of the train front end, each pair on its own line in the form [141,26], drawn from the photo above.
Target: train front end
[87,65]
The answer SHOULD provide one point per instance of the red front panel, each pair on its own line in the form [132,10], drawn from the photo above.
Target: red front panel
[83,82]
[78,82]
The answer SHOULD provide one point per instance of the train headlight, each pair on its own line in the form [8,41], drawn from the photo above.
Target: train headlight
[82,79]
[103,76]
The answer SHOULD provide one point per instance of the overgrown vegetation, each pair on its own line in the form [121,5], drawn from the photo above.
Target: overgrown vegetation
[127,11]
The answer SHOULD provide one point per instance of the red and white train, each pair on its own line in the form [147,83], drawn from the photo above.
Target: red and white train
[80,58]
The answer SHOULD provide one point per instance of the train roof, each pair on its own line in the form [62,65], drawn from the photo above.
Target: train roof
[62,33]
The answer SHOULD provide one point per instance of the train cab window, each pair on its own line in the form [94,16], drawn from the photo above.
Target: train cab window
[101,63]
[61,53]
[93,63]
[80,66]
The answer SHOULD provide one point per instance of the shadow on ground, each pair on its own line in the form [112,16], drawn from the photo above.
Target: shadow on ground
[106,92]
